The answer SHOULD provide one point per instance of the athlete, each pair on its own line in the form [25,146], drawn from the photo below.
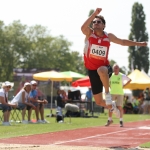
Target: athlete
[97,43]
[117,82]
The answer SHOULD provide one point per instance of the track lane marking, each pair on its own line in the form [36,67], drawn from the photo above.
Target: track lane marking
[63,142]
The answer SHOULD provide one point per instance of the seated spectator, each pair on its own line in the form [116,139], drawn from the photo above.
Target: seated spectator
[39,104]
[23,102]
[135,104]
[60,105]
[146,104]
[128,108]
[6,107]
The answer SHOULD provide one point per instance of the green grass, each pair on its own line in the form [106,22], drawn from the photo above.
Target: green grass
[145,145]
[19,129]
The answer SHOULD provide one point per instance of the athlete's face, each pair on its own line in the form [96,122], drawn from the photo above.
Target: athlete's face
[98,24]
[116,69]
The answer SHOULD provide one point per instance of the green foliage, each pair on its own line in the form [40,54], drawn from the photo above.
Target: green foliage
[33,47]
[138,56]
[90,13]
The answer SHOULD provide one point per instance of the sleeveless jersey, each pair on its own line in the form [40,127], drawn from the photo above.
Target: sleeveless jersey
[116,84]
[96,51]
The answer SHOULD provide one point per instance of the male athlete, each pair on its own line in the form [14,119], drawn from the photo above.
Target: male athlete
[97,43]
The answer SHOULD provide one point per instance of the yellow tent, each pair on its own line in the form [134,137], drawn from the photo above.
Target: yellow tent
[139,79]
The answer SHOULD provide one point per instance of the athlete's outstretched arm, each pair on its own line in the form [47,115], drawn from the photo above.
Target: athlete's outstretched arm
[125,42]
[85,27]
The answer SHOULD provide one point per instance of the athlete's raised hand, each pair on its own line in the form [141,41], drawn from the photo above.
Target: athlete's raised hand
[97,11]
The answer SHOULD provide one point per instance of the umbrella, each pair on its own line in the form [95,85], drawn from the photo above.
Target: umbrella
[83,82]
[139,79]
[72,74]
[52,76]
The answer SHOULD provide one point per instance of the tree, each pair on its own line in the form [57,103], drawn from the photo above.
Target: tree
[34,48]
[138,56]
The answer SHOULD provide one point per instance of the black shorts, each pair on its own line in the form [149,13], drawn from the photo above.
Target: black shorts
[96,83]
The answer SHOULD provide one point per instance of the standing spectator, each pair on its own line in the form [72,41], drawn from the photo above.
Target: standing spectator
[116,83]
[88,97]
[22,99]
[6,107]
[39,104]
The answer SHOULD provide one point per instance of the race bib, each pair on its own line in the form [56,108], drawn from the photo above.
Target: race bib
[98,52]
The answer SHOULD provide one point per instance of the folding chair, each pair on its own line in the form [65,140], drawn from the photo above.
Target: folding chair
[1,114]
[16,114]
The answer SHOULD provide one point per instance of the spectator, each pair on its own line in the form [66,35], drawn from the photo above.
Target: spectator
[60,106]
[88,97]
[146,104]
[135,104]
[22,98]
[39,104]
[128,108]
[117,82]
[6,107]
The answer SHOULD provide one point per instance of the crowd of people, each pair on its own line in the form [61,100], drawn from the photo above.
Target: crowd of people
[138,104]
[25,99]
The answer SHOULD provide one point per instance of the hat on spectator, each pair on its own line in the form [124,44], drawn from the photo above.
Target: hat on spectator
[33,82]
[27,83]
[6,83]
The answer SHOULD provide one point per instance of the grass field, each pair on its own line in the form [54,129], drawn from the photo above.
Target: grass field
[19,129]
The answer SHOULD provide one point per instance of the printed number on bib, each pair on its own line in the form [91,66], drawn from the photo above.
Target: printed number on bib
[98,52]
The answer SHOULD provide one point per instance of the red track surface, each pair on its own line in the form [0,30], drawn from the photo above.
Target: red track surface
[131,135]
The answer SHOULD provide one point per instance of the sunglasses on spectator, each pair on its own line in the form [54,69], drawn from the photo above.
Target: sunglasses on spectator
[8,86]
[97,21]
[34,85]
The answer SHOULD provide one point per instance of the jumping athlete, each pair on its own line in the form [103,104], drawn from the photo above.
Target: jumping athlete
[97,43]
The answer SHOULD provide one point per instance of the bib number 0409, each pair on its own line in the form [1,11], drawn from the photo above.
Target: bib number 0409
[98,52]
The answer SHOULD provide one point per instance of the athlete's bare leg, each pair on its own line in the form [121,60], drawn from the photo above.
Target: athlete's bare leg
[99,100]
[103,73]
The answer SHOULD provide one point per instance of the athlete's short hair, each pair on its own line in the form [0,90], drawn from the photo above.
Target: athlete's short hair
[102,18]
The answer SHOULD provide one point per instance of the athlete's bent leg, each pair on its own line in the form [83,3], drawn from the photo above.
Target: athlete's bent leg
[99,100]
[103,74]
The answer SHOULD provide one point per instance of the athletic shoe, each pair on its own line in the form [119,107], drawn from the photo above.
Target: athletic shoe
[6,124]
[115,110]
[121,123]
[30,122]
[24,121]
[108,99]
[109,122]
[45,121]
[61,121]
[39,121]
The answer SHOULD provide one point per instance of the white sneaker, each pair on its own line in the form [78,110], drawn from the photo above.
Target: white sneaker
[45,121]
[108,99]
[39,121]
[6,124]
[61,121]
[115,110]
[24,121]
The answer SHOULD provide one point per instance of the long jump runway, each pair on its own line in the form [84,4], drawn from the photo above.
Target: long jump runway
[131,135]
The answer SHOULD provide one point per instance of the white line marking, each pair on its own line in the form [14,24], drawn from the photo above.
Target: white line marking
[91,137]
[145,127]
